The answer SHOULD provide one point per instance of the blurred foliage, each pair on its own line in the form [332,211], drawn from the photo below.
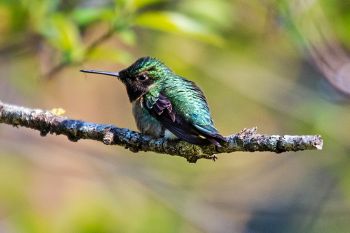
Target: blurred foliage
[63,27]
[251,58]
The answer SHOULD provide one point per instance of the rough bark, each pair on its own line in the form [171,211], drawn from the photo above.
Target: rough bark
[247,140]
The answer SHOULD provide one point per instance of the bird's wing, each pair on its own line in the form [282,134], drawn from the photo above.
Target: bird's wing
[157,105]
[161,108]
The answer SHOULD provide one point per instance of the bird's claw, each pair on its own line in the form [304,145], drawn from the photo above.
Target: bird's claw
[213,157]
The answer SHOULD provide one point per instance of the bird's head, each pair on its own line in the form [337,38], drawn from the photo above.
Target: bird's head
[140,76]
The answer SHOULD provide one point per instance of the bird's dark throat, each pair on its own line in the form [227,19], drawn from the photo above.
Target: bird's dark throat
[134,94]
[136,89]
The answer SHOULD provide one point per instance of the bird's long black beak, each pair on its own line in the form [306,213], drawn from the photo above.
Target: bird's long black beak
[114,74]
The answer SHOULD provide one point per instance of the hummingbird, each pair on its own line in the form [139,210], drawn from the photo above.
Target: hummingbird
[165,104]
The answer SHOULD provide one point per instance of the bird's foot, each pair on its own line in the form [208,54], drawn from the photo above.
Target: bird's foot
[211,157]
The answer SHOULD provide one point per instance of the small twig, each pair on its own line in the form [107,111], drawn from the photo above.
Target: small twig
[247,140]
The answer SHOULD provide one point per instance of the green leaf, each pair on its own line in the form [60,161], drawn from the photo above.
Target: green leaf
[64,35]
[134,5]
[39,11]
[128,37]
[220,16]
[86,16]
[179,24]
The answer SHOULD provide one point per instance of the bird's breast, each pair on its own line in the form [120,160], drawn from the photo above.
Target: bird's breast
[145,122]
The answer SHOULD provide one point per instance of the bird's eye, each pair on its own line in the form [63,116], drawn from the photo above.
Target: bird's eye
[142,77]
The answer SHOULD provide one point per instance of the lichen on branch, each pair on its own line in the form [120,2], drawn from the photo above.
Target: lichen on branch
[247,140]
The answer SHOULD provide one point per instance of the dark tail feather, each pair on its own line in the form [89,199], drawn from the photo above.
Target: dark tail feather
[216,139]
[211,134]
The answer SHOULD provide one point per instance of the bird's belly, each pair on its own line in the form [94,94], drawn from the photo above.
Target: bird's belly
[169,135]
[145,122]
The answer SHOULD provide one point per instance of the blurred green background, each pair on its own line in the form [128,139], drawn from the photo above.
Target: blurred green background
[279,65]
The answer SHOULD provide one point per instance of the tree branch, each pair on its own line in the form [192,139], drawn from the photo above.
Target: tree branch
[247,140]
